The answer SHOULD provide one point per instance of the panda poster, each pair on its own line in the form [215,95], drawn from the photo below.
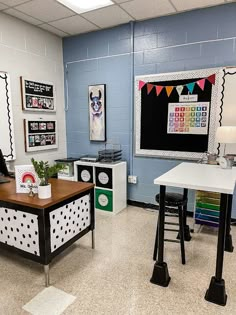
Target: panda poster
[97,112]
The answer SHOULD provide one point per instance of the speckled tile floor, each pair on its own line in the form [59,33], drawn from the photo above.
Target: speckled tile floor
[114,278]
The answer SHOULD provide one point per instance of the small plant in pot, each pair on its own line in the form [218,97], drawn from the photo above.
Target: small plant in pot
[44,172]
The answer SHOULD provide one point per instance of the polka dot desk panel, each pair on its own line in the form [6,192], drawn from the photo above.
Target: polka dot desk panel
[69,220]
[19,229]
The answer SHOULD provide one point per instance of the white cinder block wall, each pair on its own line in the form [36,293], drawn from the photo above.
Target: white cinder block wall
[36,54]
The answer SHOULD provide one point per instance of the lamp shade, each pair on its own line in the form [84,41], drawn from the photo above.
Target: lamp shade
[226,134]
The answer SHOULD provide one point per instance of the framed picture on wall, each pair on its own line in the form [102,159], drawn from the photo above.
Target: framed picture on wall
[97,112]
[40,135]
[37,96]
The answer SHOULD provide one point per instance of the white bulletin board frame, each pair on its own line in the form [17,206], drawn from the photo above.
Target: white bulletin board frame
[213,119]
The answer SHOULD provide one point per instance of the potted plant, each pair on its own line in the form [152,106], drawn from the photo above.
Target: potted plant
[44,172]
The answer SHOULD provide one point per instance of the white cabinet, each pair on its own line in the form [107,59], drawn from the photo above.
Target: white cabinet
[110,181]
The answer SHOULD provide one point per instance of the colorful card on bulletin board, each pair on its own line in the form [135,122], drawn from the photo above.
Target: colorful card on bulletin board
[25,177]
[37,95]
[188,118]
[40,135]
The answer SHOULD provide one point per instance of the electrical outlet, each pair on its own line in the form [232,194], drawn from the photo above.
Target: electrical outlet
[132,179]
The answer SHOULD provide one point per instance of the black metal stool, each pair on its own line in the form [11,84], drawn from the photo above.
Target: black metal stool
[175,205]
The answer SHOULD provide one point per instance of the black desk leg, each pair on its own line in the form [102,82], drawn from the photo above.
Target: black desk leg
[160,275]
[228,237]
[216,292]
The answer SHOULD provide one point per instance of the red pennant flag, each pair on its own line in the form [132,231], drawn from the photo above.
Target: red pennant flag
[141,85]
[149,88]
[201,83]
[158,89]
[169,90]
[212,78]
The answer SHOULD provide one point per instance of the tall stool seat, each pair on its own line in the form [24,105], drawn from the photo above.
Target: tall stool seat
[174,207]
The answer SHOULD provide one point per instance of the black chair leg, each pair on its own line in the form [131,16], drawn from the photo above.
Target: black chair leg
[156,242]
[181,233]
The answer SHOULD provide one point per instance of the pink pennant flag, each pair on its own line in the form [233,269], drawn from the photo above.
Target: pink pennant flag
[149,87]
[169,90]
[212,78]
[158,89]
[201,83]
[141,85]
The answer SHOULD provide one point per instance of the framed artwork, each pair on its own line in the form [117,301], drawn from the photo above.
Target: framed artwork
[37,96]
[97,112]
[40,135]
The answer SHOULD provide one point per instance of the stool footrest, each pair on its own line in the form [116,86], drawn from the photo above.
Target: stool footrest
[171,241]
[171,223]
[171,230]
[171,214]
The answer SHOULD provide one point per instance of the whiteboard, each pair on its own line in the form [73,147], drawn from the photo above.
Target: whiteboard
[7,142]
[223,110]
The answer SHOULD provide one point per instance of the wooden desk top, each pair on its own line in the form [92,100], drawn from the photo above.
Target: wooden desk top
[61,190]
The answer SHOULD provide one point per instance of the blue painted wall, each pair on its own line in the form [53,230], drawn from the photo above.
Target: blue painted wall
[192,40]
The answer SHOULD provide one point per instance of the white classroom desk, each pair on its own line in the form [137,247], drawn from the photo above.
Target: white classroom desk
[207,178]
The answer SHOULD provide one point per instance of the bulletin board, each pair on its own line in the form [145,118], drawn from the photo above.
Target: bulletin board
[177,114]
[40,135]
[37,95]
[7,141]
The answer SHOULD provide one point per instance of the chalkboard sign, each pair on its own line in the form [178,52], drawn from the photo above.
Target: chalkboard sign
[37,96]
[7,141]
[176,114]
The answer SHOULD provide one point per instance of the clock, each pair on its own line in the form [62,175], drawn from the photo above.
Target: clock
[224,162]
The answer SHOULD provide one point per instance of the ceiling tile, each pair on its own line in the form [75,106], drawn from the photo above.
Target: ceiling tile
[3,6]
[108,16]
[22,16]
[141,9]
[45,10]
[184,5]
[11,3]
[52,29]
[74,25]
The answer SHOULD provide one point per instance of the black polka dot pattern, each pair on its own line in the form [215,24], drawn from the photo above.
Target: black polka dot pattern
[19,229]
[68,221]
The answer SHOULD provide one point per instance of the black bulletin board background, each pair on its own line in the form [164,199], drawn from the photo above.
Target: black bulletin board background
[154,112]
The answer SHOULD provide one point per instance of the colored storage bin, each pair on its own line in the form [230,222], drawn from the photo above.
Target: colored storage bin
[207,208]
[103,199]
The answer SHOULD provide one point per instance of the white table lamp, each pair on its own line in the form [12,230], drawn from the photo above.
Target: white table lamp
[226,134]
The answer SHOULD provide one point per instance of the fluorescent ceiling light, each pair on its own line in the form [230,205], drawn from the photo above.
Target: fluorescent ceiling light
[81,6]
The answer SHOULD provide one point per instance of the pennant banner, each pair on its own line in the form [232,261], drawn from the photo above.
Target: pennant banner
[190,87]
[179,88]
[158,89]
[212,79]
[141,84]
[169,90]
[201,83]
[149,88]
